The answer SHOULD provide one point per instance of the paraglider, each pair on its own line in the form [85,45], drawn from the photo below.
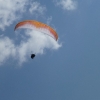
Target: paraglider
[38,26]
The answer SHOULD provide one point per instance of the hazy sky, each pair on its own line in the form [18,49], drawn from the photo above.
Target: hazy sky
[68,69]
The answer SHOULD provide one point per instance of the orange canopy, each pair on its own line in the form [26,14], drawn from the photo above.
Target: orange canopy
[32,24]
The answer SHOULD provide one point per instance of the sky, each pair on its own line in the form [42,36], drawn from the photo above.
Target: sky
[66,69]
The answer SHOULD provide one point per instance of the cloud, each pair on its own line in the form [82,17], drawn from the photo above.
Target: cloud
[7,49]
[37,8]
[67,4]
[10,10]
[31,42]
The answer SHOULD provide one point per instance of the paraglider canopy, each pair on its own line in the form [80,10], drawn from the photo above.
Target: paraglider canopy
[35,25]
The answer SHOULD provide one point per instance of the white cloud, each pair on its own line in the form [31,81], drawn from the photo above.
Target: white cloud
[34,42]
[37,8]
[67,4]
[12,10]
[7,49]
[9,11]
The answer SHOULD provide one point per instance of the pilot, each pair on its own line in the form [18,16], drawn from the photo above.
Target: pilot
[32,56]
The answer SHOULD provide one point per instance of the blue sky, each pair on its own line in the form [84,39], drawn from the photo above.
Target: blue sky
[64,70]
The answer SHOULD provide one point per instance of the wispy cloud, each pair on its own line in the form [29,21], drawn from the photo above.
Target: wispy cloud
[10,10]
[7,49]
[33,42]
[67,4]
[37,8]
[49,19]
